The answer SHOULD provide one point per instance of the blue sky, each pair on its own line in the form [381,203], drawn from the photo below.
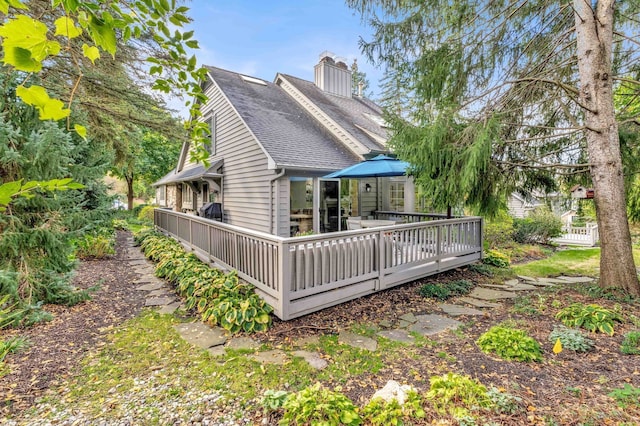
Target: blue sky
[263,37]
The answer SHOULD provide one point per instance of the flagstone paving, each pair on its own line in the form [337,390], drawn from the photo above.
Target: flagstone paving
[201,335]
[357,341]
[457,310]
[483,293]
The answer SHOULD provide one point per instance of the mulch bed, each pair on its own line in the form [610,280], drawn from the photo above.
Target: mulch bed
[56,347]
[567,387]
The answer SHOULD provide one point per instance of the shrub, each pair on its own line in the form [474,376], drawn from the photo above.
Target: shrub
[381,412]
[146,213]
[444,291]
[456,394]
[571,339]
[631,343]
[510,344]
[136,209]
[590,317]
[95,246]
[316,405]
[482,269]
[539,227]
[496,258]
[498,232]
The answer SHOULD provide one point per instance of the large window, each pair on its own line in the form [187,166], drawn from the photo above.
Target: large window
[396,196]
[187,195]
[161,195]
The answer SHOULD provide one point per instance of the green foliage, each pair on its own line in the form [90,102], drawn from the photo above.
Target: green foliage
[444,291]
[28,41]
[498,231]
[273,400]
[503,402]
[456,394]
[510,344]
[12,345]
[495,258]
[631,343]
[571,339]
[219,298]
[381,412]
[591,317]
[482,269]
[316,405]
[539,227]
[146,213]
[626,396]
[96,246]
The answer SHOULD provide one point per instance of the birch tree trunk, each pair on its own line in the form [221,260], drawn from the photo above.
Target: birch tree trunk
[594,32]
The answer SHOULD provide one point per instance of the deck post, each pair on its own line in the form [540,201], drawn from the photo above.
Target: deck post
[284,278]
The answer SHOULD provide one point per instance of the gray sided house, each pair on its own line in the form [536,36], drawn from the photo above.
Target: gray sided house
[271,143]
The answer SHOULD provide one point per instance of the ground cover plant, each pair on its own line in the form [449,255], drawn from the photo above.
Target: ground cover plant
[446,290]
[219,298]
[510,344]
[592,317]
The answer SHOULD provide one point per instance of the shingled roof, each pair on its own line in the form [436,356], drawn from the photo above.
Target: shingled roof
[285,130]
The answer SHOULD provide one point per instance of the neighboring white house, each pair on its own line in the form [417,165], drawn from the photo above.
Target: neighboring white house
[271,143]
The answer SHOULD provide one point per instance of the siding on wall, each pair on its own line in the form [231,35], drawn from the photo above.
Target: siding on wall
[516,207]
[281,191]
[246,182]
[368,199]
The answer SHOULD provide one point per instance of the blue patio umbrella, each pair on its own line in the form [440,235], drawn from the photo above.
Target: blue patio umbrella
[380,166]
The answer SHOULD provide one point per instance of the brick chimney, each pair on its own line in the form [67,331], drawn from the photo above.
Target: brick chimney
[332,75]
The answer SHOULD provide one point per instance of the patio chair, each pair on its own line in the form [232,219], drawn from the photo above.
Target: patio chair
[353,223]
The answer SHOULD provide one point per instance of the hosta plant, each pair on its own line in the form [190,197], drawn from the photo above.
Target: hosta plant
[571,339]
[381,412]
[316,405]
[457,395]
[591,317]
[510,344]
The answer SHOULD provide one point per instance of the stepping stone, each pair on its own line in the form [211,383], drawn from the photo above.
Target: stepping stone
[161,292]
[144,270]
[148,278]
[217,351]
[169,309]
[498,286]
[151,286]
[357,341]
[456,310]
[524,277]
[275,356]
[490,294]
[240,343]
[511,282]
[409,318]
[201,335]
[521,287]
[552,281]
[429,325]
[309,340]
[140,262]
[397,335]
[159,301]
[478,303]
[385,323]
[577,279]
[312,358]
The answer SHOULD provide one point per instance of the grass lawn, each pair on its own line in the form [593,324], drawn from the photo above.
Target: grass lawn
[575,261]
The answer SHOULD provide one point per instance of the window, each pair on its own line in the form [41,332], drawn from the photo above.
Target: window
[187,195]
[161,192]
[212,121]
[396,196]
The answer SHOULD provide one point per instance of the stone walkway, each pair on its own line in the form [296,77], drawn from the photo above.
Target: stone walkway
[216,340]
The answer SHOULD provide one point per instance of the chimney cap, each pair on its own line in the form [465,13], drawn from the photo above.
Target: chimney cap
[326,55]
[341,62]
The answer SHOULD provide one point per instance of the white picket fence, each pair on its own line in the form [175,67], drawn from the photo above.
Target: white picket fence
[579,235]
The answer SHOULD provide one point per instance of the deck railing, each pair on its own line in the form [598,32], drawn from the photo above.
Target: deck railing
[300,275]
[408,217]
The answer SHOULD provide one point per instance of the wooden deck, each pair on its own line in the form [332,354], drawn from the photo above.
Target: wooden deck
[301,275]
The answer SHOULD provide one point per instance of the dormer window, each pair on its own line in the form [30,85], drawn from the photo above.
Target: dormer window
[213,124]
